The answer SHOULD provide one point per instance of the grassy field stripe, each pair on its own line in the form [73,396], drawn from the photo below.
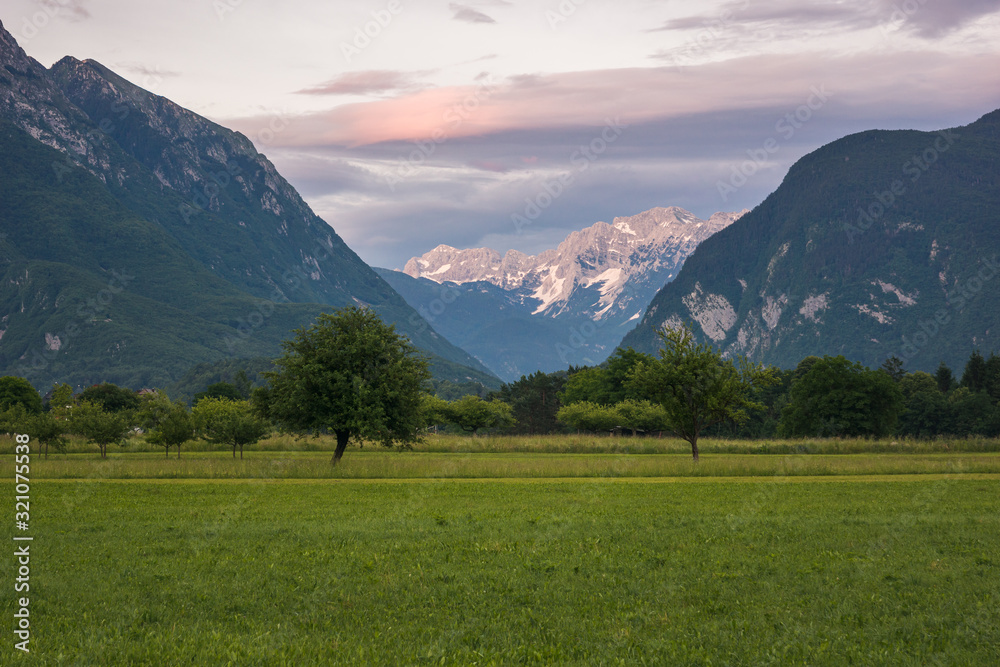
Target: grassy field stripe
[758,479]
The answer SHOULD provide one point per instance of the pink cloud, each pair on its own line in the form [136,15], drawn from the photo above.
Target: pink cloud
[581,99]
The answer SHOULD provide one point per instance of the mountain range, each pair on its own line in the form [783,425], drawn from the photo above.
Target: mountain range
[138,239]
[570,305]
[880,244]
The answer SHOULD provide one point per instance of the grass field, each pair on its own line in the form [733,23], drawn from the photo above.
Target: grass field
[452,557]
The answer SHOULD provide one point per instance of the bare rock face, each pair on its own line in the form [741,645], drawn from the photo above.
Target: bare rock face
[603,272]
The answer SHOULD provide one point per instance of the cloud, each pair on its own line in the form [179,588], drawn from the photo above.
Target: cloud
[71,10]
[362,83]
[927,18]
[639,95]
[468,14]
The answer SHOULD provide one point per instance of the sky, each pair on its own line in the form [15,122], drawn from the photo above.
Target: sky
[406,124]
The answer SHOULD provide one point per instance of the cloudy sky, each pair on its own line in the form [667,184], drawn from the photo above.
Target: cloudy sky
[508,124]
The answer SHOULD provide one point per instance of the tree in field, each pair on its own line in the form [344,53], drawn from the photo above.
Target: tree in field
[641,416]
[974,377]
[471,413]
[167,423]
[349,373]
[534,400]
[43,427]
[100,427]
[837,397]
[232,423]
[18,391]
[945,379]
[588,416]
[110,397]
[697,387]
[926,407]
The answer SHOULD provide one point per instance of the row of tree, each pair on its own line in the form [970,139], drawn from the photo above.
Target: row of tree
[353,376]
[107,414]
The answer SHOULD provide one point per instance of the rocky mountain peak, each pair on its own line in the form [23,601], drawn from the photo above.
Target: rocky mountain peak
[645,248]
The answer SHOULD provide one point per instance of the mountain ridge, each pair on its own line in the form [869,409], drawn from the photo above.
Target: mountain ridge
[865,245]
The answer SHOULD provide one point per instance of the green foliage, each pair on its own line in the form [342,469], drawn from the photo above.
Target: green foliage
[893,367]
[349,373]
[100,427]
[589,416]
[534,401]
[642,416]
[836,397]
[231,423]
[697,387]
[168,424]
[18,391]
[110,397]
[587,385]
[61,400]
[945,378]
[471,413]
[974,377]
[222,390]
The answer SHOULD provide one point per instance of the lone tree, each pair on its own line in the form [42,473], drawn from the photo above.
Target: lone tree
[228,422]
[100,427]
[349,373]
[168,424]
[697,387]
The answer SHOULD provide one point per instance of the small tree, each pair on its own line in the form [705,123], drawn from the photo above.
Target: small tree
[471,413]
[588,416]
[168,424]
[46,430]
[228,422]
[642,416]
[100,427]
[697,387]
[349,373]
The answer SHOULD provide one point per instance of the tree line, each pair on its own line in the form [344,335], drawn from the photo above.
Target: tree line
[352,376]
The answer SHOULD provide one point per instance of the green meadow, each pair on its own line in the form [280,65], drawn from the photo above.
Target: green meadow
[487,553]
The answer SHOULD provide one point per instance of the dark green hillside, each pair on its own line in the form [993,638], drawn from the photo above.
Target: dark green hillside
[880,243]
[125,302]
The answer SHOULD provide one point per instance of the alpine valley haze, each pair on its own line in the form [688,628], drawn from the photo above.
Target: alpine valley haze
[571,305]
